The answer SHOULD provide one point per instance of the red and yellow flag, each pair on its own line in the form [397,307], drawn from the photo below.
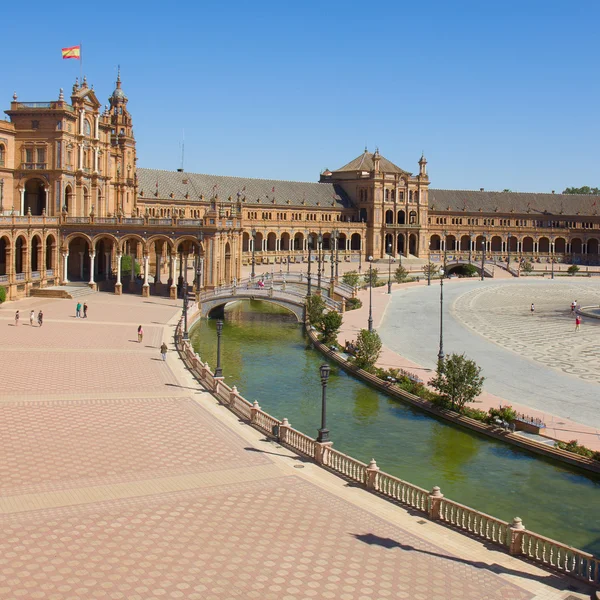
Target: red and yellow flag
[72,52]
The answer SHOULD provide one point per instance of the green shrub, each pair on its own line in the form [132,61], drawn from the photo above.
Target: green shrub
[330,326]
[527,267]
[475,413]
[368,349]
[573,270]
[2,294]
[506,413]
[576,448]
[315,307]
[351,278]
[353,303]
[126,266]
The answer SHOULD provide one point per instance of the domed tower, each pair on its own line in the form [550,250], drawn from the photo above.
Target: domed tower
[123,152]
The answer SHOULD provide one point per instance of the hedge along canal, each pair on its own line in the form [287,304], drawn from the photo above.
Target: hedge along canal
[266,354]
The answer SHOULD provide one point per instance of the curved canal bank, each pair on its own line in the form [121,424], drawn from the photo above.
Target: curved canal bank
[270,361]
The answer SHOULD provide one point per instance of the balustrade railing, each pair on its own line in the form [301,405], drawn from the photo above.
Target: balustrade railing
[77,220]
[106,220]
[49,272]
[19,276]
[133,221]
[166,222]
[3,278]
[35,274]
[514,538]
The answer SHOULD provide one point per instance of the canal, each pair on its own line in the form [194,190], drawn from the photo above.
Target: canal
[267,356]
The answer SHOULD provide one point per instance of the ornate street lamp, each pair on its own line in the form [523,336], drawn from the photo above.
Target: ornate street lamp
[185,301]
[552,257]
[332,244]
[370,321]
[337,253]
[288,263]
[319,247]
[219,370]
[445,234]
[508,247]
[309,243]
[1,196]
[441,352]
[198,265]
[253,259]
[429,265]
[470,244]
[324,432]
[391,258]
[483,257]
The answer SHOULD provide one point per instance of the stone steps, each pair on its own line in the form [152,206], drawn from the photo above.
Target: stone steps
[63,291]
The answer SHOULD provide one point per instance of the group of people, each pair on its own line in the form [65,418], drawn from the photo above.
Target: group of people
[40,318]
[574,307]
[163,348]
[78,309]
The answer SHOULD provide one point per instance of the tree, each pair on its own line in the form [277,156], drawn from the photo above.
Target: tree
[351,278]
[586,189]
[527,267]
[126,266]
[371,275]
[429,270]
[2,294]
[506,190]
[368,349]
[469,270]
[330,326]
[573,270]
[315,307]
[400,274]
[458,380]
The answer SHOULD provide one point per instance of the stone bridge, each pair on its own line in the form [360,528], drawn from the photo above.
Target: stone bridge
[290,299]
[488,268]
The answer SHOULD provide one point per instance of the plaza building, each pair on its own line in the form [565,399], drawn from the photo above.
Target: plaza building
[74,206]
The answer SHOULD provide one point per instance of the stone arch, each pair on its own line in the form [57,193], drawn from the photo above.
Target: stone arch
[5,254]
[78,267]
[389,246]
[527,244]
[451,243]
[228,271]
[50,251]
[412,218]
[35,255]
[511,243]
[465,243]
[544,245]
[326,241]
[271,241]
[133,237]
[285,241]
[20,254]
[401,217]
[560,245]
[68,199]
[245,242]
[435,242]
[355,242]
[35,196]
[592,246]
[400,244]
[342,242]
[413,244]
[258,241]
[576,246]
[389,217]
[299,241]
[479,243]
[69,238]
[496,244]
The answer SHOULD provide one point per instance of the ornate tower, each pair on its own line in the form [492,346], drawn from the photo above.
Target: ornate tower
[123,156]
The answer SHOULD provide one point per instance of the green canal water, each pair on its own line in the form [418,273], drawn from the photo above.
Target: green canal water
[266,355]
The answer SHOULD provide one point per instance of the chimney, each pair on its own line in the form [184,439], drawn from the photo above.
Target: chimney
[481,189]
[553,191]
[180,170]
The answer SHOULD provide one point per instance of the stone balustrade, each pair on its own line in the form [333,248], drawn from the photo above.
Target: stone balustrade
[514,538]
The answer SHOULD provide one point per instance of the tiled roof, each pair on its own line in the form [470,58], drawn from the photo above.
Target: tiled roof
[364,162]
[263,192]
[513,202]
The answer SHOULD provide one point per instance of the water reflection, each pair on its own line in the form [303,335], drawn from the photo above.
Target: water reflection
[266,355]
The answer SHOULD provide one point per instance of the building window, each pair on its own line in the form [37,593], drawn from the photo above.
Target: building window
[2,155]
[86,127]
[58,155]
[41,155]
[28,155]
[58,125]
[35,124]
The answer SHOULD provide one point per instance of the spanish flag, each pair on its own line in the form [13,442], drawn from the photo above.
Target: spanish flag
[72,52]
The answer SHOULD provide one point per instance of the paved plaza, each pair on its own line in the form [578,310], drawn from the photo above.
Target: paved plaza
[121,479]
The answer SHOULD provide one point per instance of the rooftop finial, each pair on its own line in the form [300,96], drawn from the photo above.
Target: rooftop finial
[61,95]
[84,83]
[119,75]
[366,149]
[15,97]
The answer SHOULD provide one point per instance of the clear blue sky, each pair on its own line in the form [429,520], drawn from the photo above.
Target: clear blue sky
[497,94]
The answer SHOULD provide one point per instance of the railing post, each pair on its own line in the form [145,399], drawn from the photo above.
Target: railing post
[233,394]
[321,451]
[283,430]
[435,503]
[372,471]
[517,529]
[217,380]
[254,411]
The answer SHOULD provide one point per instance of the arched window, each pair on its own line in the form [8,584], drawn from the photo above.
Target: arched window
[2,155]
[87,129]
[412,218]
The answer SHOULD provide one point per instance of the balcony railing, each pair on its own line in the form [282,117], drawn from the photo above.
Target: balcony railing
[20,276]
[3,278]
[133,221]
[33,166]
[153,221]
[190,222]
[106,220]
[77,219]
[49,272]
[35,274]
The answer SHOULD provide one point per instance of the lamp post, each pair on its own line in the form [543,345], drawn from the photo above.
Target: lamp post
[470,245]
[441,352]
[332,244]
[185,299]
[319,247]
[445,234]
[198,266]
[253,258]
[360,255]
[483,258]
[1,196]
[370,321]
[552,257]
[324,432]
[219,370]
[390,268]
[508,248]
[288,264]
[309,244]
[337,253]
[429,265]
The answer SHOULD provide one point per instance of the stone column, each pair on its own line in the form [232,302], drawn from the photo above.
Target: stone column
[22,192]
[96,164]
[132,274]
[65,268]
[158,265]
[92,260]
[81,265]
[516,530]
[146,286]
[81,156]
[435,503]
[96,130]
[107,265]
[119,285]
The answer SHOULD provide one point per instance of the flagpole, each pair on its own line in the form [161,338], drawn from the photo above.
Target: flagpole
[80,63]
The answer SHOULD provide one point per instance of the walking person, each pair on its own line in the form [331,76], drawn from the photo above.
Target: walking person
[577,323]
[85,310]
[17,317]
[78,311]
[163,351]
[140,334]
[40,318]
[573,306]
[31,317]
[532,308]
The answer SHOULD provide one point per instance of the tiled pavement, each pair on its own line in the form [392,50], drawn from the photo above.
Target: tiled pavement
[119,478]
